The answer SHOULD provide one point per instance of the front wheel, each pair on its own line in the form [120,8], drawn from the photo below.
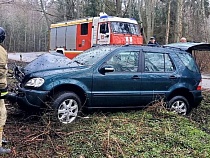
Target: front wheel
[179,105]
[67,106]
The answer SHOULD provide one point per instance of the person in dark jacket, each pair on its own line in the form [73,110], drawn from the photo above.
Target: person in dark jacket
[152,41]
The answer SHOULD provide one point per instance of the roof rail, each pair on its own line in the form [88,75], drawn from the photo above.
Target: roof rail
[164,46]
[154,45]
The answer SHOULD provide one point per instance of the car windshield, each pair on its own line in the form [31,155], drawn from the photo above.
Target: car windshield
[93,55]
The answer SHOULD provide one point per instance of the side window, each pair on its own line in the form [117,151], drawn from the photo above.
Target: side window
[104,28]
[84,29]
[168,64]
[158,62]
[188,61]
[125,61]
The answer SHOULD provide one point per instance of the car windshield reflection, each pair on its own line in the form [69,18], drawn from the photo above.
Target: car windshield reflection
[93,55]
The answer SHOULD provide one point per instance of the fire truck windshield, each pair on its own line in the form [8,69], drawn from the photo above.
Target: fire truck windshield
[125,28]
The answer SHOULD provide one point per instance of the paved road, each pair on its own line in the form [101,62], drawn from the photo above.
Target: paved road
[206,81]
[27,57]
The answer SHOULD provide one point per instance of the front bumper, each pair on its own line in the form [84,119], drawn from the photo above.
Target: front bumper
[28,98]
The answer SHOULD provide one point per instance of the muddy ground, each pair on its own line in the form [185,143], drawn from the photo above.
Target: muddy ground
[24,131]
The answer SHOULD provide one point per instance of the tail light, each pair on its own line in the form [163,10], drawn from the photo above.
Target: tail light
[199,87]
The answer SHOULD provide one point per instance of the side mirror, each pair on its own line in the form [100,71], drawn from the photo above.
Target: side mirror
[109,69]
[106,68]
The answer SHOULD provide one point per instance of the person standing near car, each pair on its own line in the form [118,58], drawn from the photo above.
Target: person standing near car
[3,89]
[183,40]
[152,41]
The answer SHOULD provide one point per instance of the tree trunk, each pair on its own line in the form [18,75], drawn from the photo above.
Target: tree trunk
[65,11]
[149,7]
[118,8]
[78,10]
[45,14]
[168,21]
[204,21]
[25,40]
[129,8]
[140,8]
[178,26]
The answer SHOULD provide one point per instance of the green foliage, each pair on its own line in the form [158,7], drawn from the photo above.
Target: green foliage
[141,133]
[151,132]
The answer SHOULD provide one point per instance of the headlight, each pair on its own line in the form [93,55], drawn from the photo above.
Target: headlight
[35,82]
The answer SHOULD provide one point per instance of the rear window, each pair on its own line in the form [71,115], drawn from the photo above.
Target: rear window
[188,61]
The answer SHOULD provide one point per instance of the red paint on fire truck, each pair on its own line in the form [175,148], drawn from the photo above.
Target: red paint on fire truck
[76,36]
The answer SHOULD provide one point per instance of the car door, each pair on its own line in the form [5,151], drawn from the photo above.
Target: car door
[120,88]
[158,75]
[103,36]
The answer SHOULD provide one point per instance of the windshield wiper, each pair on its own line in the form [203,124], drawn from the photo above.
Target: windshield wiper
[76,61]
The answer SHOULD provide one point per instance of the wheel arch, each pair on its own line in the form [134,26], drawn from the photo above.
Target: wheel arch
[68,88]
[182,92]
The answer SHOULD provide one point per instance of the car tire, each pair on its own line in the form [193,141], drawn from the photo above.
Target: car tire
[179,105]
[67,106]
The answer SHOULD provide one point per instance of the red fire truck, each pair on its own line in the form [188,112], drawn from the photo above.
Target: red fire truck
[76,36]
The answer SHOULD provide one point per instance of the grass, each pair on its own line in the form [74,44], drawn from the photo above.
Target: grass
[153,132]
[138,134]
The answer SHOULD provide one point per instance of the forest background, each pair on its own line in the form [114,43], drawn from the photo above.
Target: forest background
[27,22]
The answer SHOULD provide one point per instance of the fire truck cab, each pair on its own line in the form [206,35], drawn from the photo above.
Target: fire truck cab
[76,36]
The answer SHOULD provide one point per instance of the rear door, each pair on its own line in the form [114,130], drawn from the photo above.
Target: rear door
[122,87]
[158,75]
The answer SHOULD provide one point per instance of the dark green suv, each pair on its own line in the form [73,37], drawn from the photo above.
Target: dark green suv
[112,77]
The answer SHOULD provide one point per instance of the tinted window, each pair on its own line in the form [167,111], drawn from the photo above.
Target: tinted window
[84,29]
[188,61]
[93,55]
[126,61]
[158,62]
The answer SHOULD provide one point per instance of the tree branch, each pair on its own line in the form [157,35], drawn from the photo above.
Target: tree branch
[7,2]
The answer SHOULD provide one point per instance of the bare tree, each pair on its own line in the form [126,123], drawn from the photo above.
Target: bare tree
[150,16]
[118,8]
[168,22]
[140,8]
[44,12]
[6,2]
[179,16]
[204,21]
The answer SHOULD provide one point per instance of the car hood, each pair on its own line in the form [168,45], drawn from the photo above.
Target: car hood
[49,61]
[190,46]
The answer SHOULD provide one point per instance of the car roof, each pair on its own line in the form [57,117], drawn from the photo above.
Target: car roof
[189,46]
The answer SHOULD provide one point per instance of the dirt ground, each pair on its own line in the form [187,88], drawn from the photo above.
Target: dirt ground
[25,132]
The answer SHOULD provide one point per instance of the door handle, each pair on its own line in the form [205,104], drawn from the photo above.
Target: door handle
[135,77]
[172,77]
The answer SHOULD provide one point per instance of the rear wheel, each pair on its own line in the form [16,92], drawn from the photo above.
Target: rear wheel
[179,105]
[67,106]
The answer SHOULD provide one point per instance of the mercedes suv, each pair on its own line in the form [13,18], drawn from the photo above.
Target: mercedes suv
[112,77]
